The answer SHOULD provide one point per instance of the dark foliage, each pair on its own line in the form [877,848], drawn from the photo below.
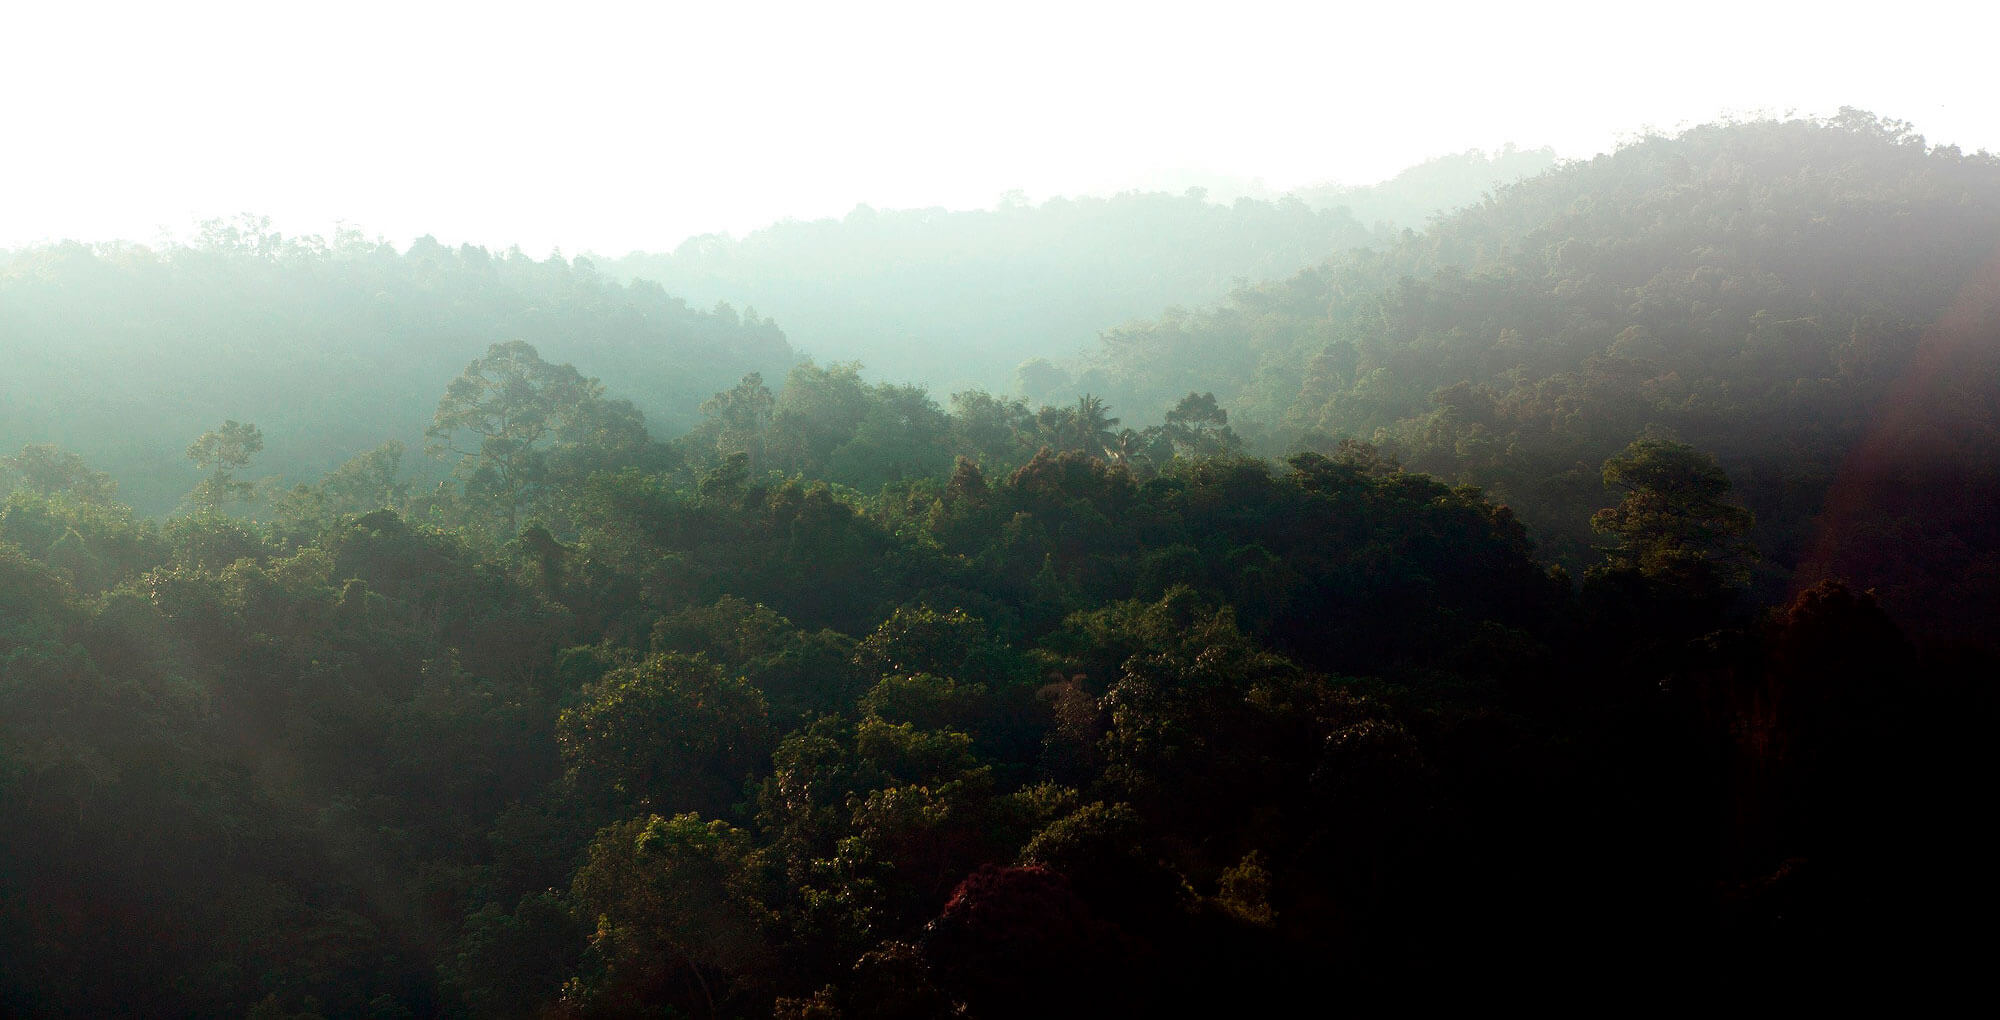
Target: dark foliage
[846,705]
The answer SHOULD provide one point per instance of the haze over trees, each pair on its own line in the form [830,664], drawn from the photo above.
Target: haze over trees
[330,346]
[958,299]
[1810,302]
[1489,603]
[1435,187]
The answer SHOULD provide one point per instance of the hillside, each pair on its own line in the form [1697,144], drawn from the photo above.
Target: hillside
[698,678]
[1195,734]
[957,299]
[1810,301]
[126,353]
[1435,187]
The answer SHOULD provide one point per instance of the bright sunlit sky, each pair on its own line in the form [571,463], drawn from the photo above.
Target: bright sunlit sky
[614,126]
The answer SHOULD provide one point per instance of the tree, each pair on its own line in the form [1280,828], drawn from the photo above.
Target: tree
[1676,517]
[366,482]
[1087,427]
[1128,448]
[986,426]
[512,404]
[1198,427]
[1012,940]
[222,452]
[922,640]
[678,914]
[513,965]
[673,733]
[48,469]
[1040,378]
[738,419]
[903,435]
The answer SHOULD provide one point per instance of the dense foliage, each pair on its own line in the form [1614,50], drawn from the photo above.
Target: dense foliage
[1123,734]
[1813,302]
[844,702]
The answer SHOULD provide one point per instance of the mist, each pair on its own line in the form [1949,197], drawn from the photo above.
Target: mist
[992,511]
[616,127]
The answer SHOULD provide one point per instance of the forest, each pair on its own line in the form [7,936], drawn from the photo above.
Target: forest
[330,346]
[1593,586]
[962,299]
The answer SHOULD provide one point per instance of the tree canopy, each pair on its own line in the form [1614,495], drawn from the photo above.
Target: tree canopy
[1443,614]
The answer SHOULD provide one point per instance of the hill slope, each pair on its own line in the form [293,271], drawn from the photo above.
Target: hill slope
[957,299]
[1776,292]
[127,354]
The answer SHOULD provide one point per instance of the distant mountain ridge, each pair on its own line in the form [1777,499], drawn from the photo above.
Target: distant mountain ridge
[127,353]
[960,299]
[1432,188]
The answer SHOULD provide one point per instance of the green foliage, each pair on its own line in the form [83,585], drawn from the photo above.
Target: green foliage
[1085,428]
[513,964]
[990,429]
[366,482]
[798,672]
[679,917]
[672,733]
[95,544]
[222,452]
[509,406]
[1195,686]
[331,345]
[1199,427]
[922,640]
[826,423]
[734,421]
[49,470]
[847,704]
[1755,289]
[1245,890]
[925,701]
[1675,517]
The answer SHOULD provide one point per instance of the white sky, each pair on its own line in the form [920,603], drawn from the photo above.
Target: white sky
[611,126]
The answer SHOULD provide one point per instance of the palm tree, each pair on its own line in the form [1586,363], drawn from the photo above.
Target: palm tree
[1093,423]
[1085,428]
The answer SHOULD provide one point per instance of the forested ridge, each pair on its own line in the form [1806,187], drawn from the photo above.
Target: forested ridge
[958,298]
[331,346]
[1487,610]
[1783,294]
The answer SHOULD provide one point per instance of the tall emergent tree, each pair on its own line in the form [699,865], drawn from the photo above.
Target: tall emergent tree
[222,452]
[1676,519]
[1199,427]
[1087,427]
[737,420]
[500,416]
